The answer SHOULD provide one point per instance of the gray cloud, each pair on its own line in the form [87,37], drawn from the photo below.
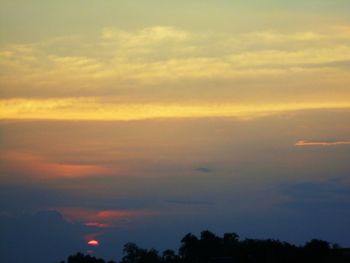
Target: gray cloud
[41,237]
[203,169]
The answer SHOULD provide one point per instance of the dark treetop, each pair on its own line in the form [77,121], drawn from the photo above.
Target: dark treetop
[209,248]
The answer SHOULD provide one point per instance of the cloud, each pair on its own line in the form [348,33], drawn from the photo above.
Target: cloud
[321,143]
[147,36]
[101,218]
[37,166]
[187,201]
[100,109]
[98,225]
[40,237]
[123,64]
[203,169]
[326,195]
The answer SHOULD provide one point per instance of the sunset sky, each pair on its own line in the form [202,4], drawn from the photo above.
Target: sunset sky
[145,120]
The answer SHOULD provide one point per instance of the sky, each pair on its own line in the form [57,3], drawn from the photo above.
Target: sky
[145,120]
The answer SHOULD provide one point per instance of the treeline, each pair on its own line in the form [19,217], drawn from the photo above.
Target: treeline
[210,248]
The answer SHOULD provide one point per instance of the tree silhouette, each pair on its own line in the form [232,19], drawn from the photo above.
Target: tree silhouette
[317,250]
[169,256]
[210,248]
[134,254]
[189,249]
[81,258]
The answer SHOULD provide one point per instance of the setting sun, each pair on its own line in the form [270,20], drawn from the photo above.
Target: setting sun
[94,243]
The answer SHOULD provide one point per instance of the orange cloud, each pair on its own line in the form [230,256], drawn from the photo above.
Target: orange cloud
[321,143]
[99,218]
[96,224]
[38,166]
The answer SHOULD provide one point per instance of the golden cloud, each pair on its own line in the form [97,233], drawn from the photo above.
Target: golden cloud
[100,109]
[121,61]
[321,143]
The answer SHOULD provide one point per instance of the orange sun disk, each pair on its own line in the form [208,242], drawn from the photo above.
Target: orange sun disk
[93,243]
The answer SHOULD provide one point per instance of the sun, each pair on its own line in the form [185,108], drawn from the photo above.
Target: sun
[94,243]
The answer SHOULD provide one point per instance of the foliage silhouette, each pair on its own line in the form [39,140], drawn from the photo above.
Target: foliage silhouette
[134,254]
[81,258]
[210,248]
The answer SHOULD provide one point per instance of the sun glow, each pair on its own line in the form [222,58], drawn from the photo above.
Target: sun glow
[94,243]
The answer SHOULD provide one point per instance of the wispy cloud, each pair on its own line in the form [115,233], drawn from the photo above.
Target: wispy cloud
[117,62]
[99,109]
[203,169]
[42,167]
[96,224]
[321,143]
[101,218]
